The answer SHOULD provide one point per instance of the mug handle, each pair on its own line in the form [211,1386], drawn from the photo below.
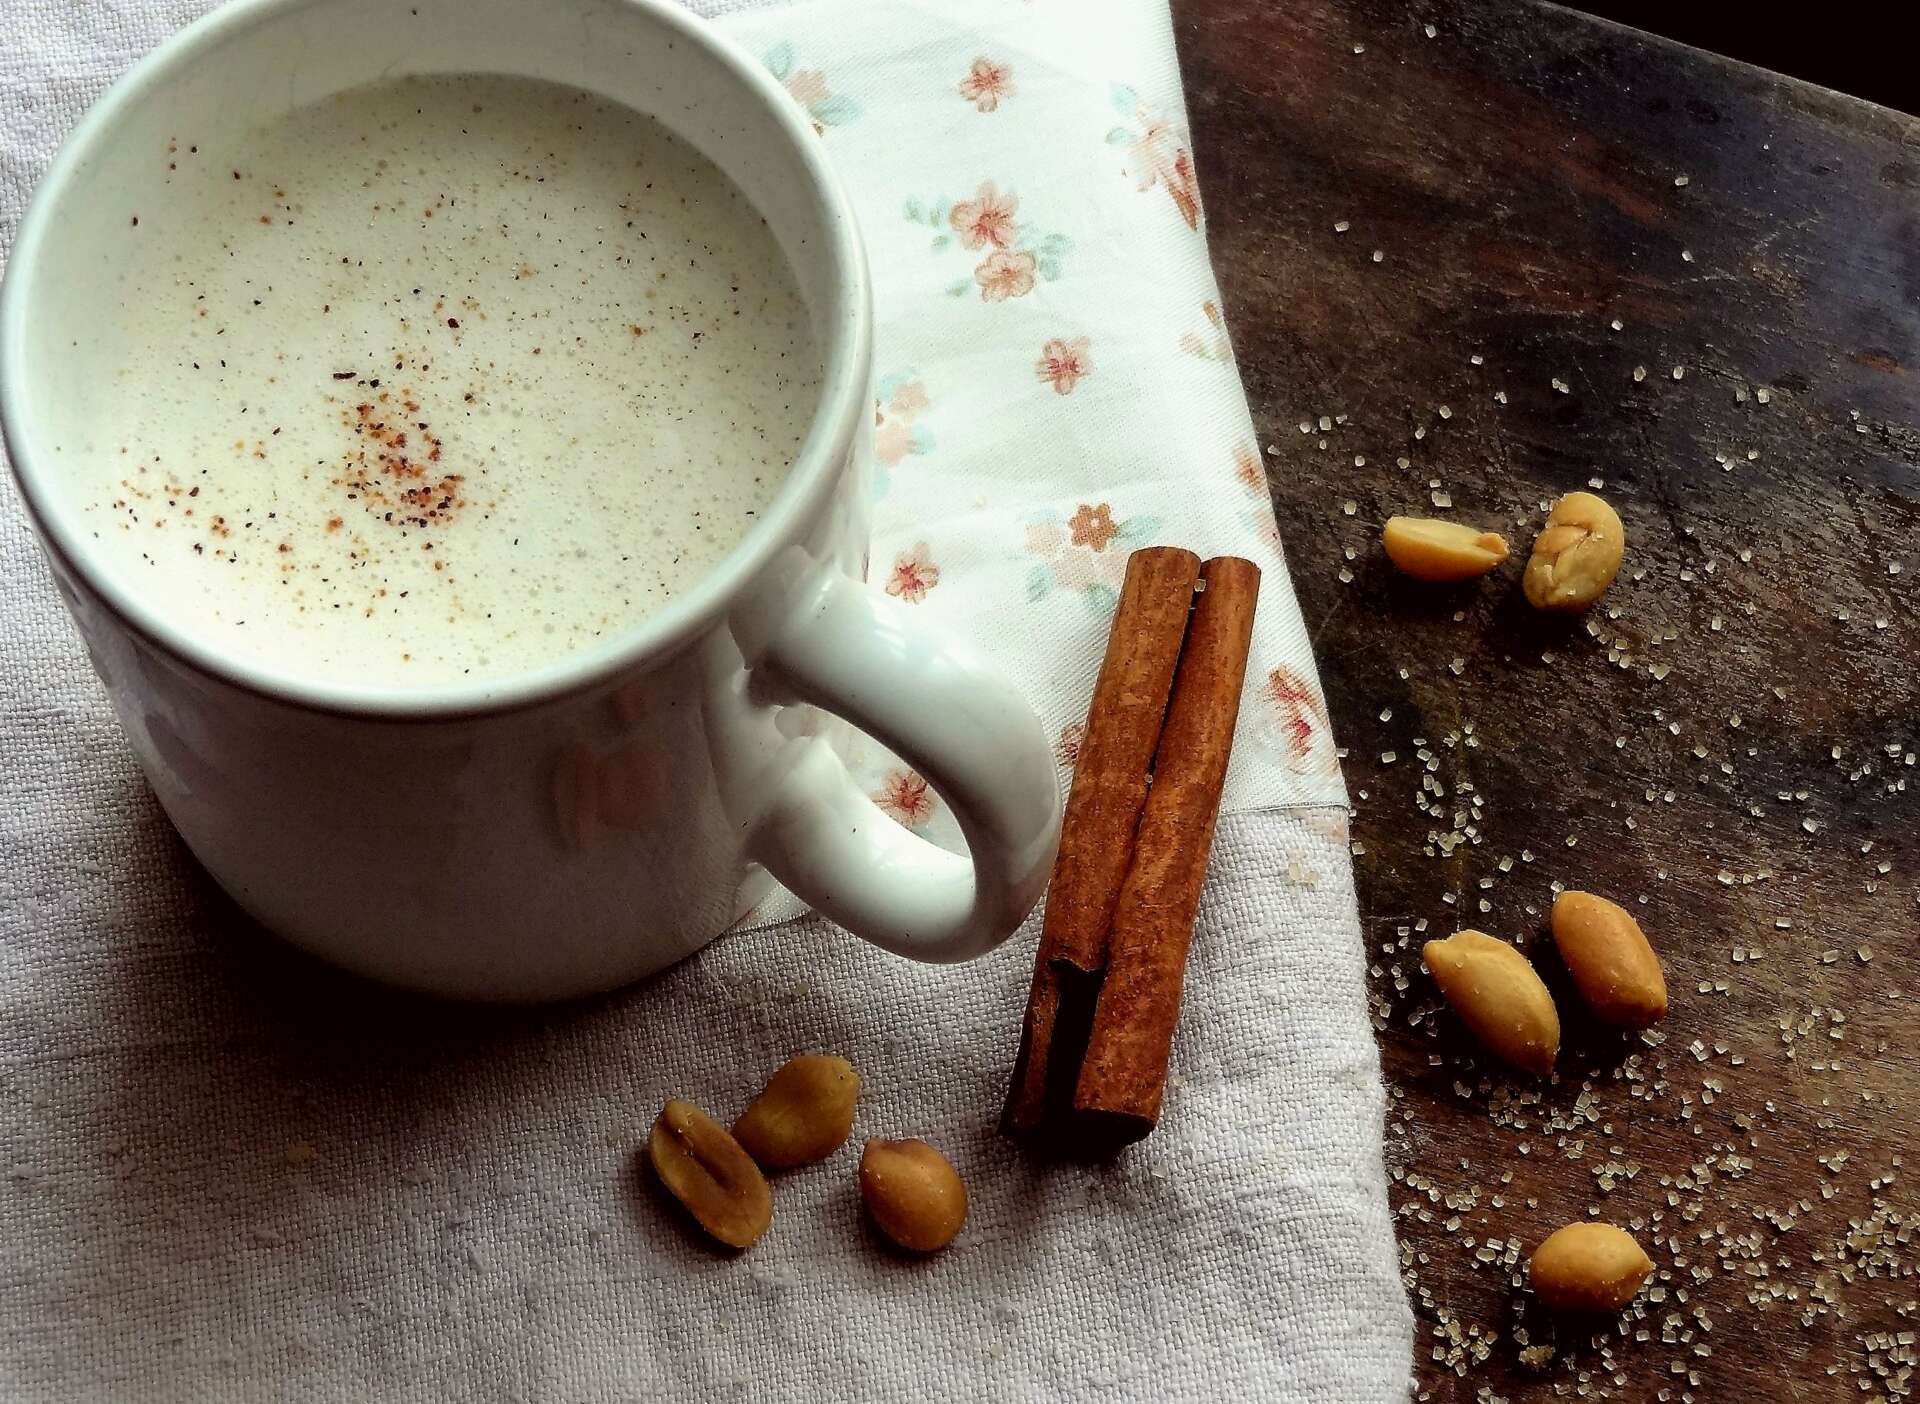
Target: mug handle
[946,711]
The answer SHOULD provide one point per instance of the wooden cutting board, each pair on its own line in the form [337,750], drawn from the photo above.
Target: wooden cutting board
[1477,255]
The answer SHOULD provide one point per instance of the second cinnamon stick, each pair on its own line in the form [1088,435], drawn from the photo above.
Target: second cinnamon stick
[1123,1076]
[1096,836]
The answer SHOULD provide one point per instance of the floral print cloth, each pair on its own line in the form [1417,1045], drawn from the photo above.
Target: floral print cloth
[1056,383]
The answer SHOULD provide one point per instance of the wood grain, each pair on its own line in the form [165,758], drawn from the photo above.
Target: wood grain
[1726,746]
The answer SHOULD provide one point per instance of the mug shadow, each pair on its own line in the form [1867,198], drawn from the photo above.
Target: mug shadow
[333,1011]
[263,1132]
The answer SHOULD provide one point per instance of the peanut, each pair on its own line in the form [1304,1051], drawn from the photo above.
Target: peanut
[913,1193]
[1498,995]
[1607,954]
[804,1114]
[705,1169]
[1576,555]
[1588,1267]
[1430,549]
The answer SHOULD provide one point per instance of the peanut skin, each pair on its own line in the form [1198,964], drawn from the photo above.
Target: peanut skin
[915,1195]
[1611,962]
[1589,1267]
[804,1114]
[1499,996]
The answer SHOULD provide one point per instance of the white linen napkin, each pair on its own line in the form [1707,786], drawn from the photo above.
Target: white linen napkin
[228,1174]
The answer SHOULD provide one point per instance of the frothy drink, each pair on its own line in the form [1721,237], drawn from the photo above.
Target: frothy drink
[442,378]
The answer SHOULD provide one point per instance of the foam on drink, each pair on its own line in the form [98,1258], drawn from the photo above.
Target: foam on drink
[442,378]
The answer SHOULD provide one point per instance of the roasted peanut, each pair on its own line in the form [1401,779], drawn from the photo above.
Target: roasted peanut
[1588,1267]
[804,1114]
[1607,954]
[914,1194]
[1576,555]
[1430,549]
[705,1169]
[1498,995]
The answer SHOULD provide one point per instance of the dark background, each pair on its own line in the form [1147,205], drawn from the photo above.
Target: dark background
[1849,45]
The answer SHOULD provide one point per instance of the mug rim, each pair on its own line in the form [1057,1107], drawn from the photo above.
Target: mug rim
[846,365]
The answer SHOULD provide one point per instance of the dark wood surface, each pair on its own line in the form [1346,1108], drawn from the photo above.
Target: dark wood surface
[1727,745]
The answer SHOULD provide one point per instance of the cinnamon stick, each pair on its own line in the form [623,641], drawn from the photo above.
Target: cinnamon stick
[1124,1072]
[1096,836]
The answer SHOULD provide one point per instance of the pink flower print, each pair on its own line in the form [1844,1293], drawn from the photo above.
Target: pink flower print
[1064,363]
[1184,186]
[1013,254]
[1213,346]
[1005,275]
[1043,538]
[892,439]
[986,219]
[1085,554]
[1246,468]
[1092,526]
[905,796]
[1157,153]
[1067,749]
[1161,158]
[1081,570]
[914,573]
[893,432]
[986,83]
[909,400]
[1299,709]
[808,86]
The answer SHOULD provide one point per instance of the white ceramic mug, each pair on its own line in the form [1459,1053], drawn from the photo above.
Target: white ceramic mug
[579,826]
